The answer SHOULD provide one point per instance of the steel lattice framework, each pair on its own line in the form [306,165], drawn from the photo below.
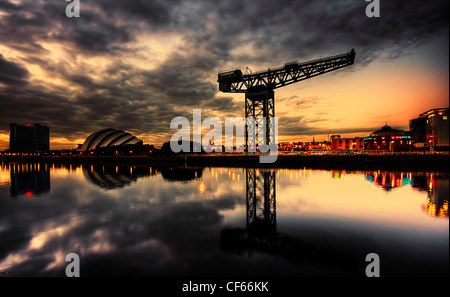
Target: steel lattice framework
[259,87]
[261,206]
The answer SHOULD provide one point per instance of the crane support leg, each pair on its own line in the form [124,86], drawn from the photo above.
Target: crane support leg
[259,105]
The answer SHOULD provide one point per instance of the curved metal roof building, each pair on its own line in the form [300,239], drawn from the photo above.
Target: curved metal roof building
[108,137]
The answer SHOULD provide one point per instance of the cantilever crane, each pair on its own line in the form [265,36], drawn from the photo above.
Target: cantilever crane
[259,86]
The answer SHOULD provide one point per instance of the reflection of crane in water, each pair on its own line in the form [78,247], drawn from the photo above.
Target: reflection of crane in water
[261,233]
[261,213]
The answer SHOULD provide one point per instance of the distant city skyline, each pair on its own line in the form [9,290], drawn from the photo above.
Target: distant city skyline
[135,66]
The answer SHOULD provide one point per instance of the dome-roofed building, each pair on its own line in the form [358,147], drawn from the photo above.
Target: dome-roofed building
[108,138]
[387,131]
[388,139]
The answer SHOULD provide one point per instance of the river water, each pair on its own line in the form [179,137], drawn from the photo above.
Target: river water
[143,220]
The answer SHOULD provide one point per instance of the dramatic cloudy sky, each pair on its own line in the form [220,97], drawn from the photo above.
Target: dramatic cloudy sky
[135,65]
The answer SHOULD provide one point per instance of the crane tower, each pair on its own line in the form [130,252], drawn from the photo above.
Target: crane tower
[259,87]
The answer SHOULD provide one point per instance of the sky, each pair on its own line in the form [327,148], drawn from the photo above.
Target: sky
[136,65]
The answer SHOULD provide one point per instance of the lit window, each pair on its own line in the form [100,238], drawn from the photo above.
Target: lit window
[444,118]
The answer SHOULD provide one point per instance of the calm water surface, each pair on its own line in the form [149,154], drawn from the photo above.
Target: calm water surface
[169,221]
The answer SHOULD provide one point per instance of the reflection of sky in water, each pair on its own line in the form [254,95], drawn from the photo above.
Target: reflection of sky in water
[153,221]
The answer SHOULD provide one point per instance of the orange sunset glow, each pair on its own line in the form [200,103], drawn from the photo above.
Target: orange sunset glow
[227,146]
[106,71]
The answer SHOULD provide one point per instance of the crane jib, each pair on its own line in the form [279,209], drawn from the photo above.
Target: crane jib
[235,81]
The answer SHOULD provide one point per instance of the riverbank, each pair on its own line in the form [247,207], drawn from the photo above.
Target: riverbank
[425,162]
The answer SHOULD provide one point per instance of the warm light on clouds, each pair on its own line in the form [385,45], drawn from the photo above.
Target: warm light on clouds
[153,49]
[64,143]
[4,141]
[136,66]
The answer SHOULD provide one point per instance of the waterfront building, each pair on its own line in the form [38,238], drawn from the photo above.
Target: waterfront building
[29,138]
[319,146]
[109,138]
[344,144]
[418,127]
[285,147]
[430,129]
[292,146]
[388,139]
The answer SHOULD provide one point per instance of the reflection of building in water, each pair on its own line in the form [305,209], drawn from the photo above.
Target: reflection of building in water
[118,176]
[435,184]
[336,173]
[181,173]
[437,188]
[387,179]
[114,176]
[29,179]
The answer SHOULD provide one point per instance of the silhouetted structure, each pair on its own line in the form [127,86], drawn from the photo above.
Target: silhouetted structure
[259,88]
[109,138]
[29,138]
[418,129]
[430,129]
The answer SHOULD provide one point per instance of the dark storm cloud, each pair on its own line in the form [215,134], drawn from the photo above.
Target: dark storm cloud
[11,73]
[18,103]
[5,5]
[181,80]
[155,12]
[303,29]
[32,23]
[213,34]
